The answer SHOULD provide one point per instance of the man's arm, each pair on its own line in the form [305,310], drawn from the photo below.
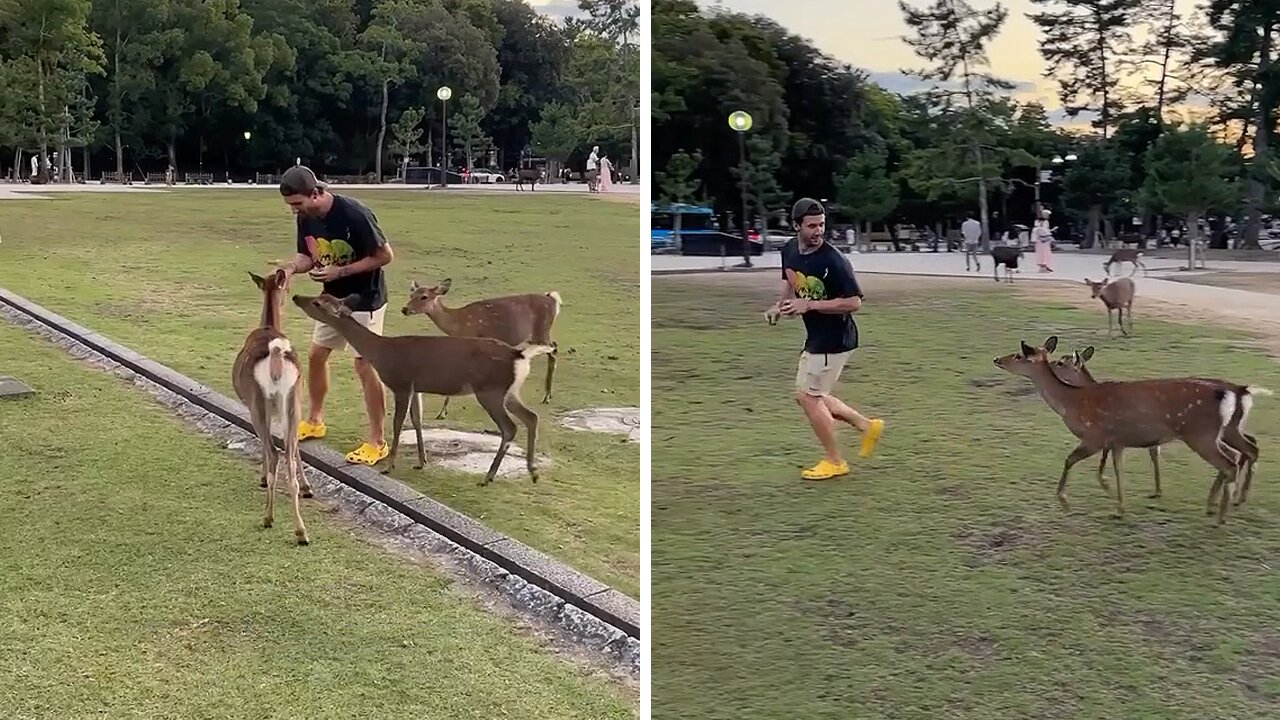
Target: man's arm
[371,242]
[844,286]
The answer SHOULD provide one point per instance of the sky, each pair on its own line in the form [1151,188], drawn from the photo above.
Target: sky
[557,8]
[868,34]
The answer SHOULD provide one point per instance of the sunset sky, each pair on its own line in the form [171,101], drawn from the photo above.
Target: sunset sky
[870,37]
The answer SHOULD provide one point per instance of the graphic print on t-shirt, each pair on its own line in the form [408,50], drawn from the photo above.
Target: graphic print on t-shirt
[329,252]
[807,287]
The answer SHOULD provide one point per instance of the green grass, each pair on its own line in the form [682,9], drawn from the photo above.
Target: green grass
[165,274]
[941,579]
[144,588]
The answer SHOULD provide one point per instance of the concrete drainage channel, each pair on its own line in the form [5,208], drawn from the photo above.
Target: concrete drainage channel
[582,610]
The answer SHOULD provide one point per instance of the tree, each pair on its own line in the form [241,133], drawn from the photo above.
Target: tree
[406,136]
[1085,44]
[677,182]
[1165,53]
[1096,183]
[467,135]
[387,59]
[865,191]
[1189,173]
[954,36]
[135,39]
[532,55]
[555,135]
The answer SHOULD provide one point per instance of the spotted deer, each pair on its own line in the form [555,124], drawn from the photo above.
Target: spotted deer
[1137,413]
[1118,297]
[265,377]
[1072,369]
[513,319]
[489,369]
[1125,255]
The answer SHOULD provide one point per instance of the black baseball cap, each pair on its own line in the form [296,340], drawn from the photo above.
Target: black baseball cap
[299,180]
[806,207]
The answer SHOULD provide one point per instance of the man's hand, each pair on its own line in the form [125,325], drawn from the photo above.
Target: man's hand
[795,306]
[771,315]
[326,274]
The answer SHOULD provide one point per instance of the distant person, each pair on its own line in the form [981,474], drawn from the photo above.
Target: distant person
[339,244]
[1042,237]
[606,173]
[971,232]
[593,168]
[819,285]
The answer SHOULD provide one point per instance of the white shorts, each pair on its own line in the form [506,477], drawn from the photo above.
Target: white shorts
[818,372]
[325,336]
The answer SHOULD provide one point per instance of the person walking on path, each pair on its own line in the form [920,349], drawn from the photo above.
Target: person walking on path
[340,245]
[971,232]
[606,173]
[1042,236]
[593,169]
[819,285]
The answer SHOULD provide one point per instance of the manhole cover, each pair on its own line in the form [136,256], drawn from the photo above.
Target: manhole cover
[468,452]
[622,421]
[13,387]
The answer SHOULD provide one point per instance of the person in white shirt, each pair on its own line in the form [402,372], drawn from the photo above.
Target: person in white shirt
[971,231]
[593,168]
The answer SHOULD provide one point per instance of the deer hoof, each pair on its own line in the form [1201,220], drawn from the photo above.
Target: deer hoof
[1153,496]
[306,492]
[262,483]
[302,538]
[417,466]
[266,522]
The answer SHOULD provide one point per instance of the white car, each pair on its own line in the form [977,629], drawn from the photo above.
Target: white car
[486,176]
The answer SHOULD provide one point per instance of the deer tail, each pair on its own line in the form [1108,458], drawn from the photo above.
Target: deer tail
[556,297]
[1256,390]
[1227,402]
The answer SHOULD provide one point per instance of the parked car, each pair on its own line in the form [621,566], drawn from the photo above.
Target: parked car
[700,233]
[487,176]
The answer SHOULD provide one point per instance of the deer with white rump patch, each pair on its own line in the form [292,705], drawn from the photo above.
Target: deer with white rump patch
[1125,255]
[1118,297]
[265,377]
[513,319]
[1137,413]
[1072,370]
[490,369]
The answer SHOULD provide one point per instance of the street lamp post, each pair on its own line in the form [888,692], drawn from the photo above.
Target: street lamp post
[444,93]
[247,137]
[740,121]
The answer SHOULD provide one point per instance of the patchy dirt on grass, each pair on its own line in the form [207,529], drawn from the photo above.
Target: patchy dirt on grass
[1263,282]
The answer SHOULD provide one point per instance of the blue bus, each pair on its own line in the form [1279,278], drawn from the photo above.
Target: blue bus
[700,233]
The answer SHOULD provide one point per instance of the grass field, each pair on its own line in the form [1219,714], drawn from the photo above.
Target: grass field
[165,274]
[941,579]
[138,584]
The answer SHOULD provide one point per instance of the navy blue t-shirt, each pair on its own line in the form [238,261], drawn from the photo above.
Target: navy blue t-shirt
[347,233]
[823,274]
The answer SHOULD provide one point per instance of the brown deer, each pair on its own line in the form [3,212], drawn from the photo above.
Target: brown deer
[1125,255]
[265,377]
[528,175]
[1008,256]
[1137,413]
[1118,297]
[1072,369]
[513,319]
[490,369]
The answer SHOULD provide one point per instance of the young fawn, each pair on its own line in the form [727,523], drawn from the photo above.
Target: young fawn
[1072,369]
[1125,255]
[1118,297]
[490,369]
[1137,413]
[513,319]
[265,377]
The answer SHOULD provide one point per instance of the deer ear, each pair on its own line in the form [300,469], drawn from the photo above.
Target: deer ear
[258,280]
[1087,281]
[413,285]
[445,285]
[351,301]
[1087,354]
[1051,343]
[1027,350]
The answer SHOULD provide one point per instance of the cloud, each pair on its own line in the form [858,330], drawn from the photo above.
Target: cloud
[559,9]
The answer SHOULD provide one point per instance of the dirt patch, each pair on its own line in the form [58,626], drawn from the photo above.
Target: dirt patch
[992,545]
[1263,282]
[617,420]
[468,452]
[1014,386]
[1261,663]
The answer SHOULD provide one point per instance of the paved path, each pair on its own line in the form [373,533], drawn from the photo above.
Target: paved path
[1068,267]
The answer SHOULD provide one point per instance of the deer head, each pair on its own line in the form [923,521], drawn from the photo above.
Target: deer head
[1096,287]
[1071,368]
[325,308]
[425,299]
[272,297]
[1025,361]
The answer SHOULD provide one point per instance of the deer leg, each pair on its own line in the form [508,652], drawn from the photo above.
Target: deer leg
[494,404]
[444,409]
[1128,313]
[1102,465]
[1115,463]
[1154,452]
[1233,438]
[1227,462]
[1081,452]
[1253,462]
[403,398]
[262,424]
[551,371]
[415,414]
[293,463]
[529,419]
[1110,329]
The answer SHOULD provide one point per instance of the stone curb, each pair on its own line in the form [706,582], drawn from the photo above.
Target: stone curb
[590,610]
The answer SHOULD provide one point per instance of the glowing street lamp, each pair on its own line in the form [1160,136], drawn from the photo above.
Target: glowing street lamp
[740,121]
[444,93]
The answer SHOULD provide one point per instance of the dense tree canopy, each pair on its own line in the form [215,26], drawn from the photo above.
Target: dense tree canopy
[348,86]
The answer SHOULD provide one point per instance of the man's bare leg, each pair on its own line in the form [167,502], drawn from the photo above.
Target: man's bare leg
[824,426]
[317,382]
[840,411]
[375,402]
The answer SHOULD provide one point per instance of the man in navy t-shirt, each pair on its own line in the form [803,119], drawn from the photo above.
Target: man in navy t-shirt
[340,245]
[819,286]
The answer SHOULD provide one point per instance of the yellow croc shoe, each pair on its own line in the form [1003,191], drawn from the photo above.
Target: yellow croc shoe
[367,454]
[308,430]
[825,470]
[870,437]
